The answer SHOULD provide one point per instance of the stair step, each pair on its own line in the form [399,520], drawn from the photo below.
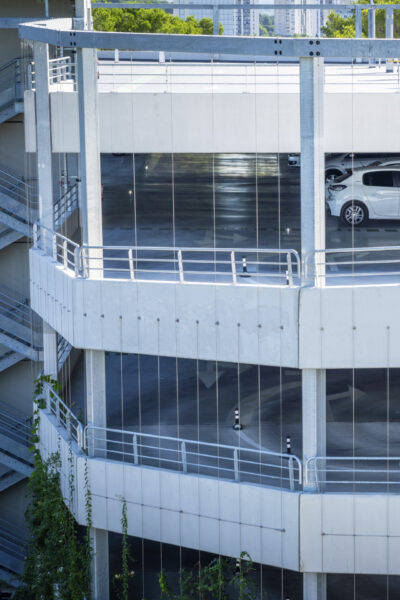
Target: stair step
[9,479]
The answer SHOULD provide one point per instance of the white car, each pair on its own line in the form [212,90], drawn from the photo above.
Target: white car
[372,193]
[338,164]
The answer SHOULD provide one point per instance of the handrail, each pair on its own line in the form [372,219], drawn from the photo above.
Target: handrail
[325,471]
[263,266]
[64,415]
[235,462]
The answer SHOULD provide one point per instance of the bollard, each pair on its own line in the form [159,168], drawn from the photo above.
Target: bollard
[244,272]
[287,277]
[237,426]
[237,566]
[288,444]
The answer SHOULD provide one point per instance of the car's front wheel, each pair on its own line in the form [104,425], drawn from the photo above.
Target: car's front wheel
[354,214]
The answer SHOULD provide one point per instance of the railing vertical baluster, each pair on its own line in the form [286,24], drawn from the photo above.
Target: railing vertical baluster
[47,398]
[291,474]
[65,254]
[79,436]
[135,450]
[68,424]
[289,268]
[180,266]
[236,464]
[233,265]
[54,246]
[131,266]
[77,260]
[58,413]
[35,235]
[184,460]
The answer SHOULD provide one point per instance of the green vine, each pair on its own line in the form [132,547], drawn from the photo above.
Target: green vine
[57,564]
[221,579]
[121,580]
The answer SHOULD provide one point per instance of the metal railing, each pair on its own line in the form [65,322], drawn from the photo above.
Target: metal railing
[15,186]
[343,265]
[64,416]
[263,467]
[61,69]
[342,472]
[201,265]
[66,205]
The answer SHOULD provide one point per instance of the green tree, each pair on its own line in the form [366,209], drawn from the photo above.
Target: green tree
[342,27]
[266,25]
[149,20]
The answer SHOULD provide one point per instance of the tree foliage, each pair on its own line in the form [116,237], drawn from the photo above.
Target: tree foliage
[149,20]
[345,27]
[266,25]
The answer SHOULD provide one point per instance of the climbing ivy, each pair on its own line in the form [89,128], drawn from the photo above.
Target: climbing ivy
[220,579]
[57,564]
[121,580]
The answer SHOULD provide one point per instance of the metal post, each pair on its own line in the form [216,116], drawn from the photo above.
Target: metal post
[135,450]
[233,265]
[216,19]
[65,254]
[371,29]
[312,166]
[68,425]
[131,267]
[358,17]
[389,34]
[180,266]
[54,246]
[184,460]
[289,269]
[291,474]
[236,464]
[35,235]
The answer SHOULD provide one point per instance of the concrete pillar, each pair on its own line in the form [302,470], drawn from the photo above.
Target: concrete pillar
[389,34]
[92,235]
[312,166]
[45,181]
[100,569]
[314,419]
[314,444]
[314,586]
[371,30]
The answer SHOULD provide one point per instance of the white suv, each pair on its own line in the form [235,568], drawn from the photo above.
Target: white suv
[372,193]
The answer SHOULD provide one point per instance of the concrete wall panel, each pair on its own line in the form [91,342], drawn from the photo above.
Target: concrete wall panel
[194,122]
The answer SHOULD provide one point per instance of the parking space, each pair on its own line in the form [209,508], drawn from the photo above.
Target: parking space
[223,201]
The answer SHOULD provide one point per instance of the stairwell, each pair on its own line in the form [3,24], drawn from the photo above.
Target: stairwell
[11,89]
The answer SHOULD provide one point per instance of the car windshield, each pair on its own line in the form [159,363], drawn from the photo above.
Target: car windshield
[344,176]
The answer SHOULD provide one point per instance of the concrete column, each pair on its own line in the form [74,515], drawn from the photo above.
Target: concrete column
[314,444]
[314,418]
[389,34]
[45,181]
[92,235]
[100,569]
[314,586]
[358,21]
[312,165]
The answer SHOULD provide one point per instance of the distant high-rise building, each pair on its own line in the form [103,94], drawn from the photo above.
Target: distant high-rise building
[234,22]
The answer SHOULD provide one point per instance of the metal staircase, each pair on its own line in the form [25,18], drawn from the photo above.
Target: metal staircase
[19,206]
[11,89]
[12,544]
[15,457]
[19,326]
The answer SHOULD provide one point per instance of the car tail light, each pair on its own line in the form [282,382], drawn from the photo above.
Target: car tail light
[337,188]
